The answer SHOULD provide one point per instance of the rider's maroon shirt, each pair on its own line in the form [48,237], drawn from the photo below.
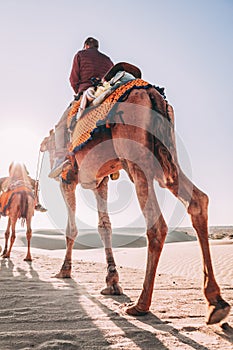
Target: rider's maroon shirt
[87,64]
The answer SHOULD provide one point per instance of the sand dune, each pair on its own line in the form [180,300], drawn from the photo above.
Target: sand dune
[88,239]
[181,257]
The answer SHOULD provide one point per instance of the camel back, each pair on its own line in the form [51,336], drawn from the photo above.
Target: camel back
[8,201]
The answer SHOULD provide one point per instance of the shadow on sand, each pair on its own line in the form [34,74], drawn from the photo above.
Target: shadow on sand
[41,312]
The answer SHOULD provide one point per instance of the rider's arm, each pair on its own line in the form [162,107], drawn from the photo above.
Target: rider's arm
[75,73]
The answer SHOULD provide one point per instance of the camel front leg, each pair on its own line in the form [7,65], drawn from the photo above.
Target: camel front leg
[68,192]
[7,234]
[105,231]
[156,234]
[197,206]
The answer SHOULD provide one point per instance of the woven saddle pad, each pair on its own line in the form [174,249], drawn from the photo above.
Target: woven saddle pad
[90,118]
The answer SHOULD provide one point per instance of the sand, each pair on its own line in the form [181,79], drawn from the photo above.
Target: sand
[41,312]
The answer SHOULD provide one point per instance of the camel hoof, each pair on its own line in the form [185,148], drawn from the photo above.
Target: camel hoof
[63,274]
[27,259]
[3,253]
[218,312]
[5,256]
[133,310]
[115,289]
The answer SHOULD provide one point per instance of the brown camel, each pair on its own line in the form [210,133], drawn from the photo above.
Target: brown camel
[17,202]
[139,137]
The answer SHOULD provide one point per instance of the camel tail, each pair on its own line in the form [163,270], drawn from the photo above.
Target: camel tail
[23,208]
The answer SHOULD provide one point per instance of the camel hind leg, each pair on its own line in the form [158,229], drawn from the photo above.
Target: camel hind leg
[197,206]
[105,231]
[156,234]
[7,234]
[13,220]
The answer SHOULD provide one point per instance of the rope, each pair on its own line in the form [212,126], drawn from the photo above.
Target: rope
[39,165]
[38,171]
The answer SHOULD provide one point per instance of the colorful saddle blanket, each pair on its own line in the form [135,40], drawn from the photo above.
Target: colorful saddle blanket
[7,197]
[91,117]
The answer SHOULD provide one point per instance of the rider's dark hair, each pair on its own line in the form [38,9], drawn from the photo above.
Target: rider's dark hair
[91,42]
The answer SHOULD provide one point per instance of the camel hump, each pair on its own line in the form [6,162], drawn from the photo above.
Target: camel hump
[123,66]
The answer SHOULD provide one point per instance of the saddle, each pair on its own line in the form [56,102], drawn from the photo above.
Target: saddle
[101,116]
[118,75]
[123,66]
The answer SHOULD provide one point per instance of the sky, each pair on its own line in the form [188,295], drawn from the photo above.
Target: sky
[184,46]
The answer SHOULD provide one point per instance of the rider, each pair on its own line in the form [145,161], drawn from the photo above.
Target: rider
[87,64]
[11,182]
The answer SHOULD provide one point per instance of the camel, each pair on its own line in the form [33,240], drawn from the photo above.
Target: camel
[138,137]
[17,202]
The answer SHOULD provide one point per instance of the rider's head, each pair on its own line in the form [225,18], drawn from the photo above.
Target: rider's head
[91,42]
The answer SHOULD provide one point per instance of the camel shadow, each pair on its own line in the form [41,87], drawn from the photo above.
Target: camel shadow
[66,314]
[130,333]
[227,332]
[72,314]
[155,322]
[37,311]
[139,335]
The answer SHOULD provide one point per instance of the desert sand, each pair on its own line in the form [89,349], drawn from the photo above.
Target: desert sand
[39,311]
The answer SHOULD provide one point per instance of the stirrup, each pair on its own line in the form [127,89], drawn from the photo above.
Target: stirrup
[56,171]
[40,208]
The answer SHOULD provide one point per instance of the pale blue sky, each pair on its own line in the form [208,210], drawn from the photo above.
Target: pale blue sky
[185,46]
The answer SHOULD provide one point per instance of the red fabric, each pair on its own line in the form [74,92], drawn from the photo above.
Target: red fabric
[87,64]
[6,197]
